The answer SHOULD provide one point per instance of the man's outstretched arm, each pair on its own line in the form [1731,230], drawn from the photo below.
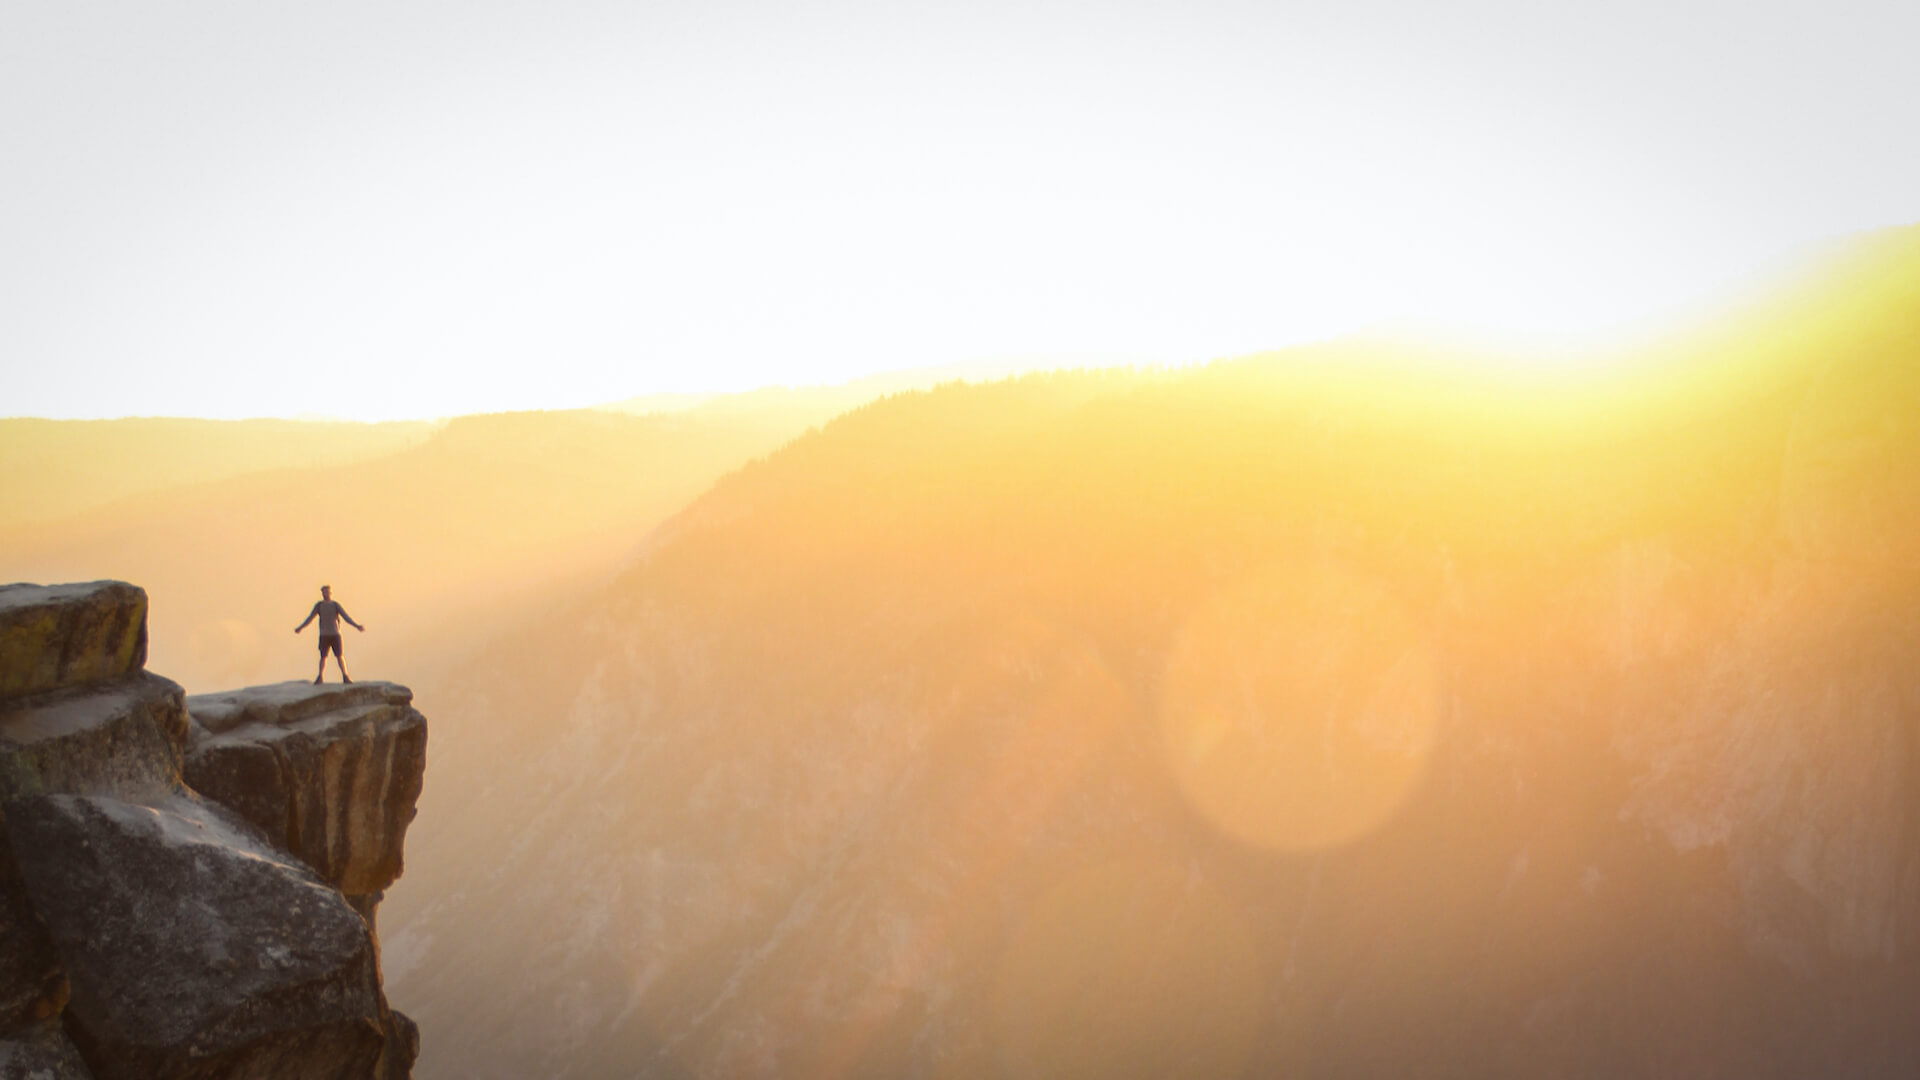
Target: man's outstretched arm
[311,615]
[349,618]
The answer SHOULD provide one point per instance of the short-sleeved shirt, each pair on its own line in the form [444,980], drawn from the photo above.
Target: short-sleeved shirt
[329,612]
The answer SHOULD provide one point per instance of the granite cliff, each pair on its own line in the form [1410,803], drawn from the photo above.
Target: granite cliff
[188,884]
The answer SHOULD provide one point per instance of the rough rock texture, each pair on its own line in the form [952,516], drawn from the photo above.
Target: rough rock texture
[402,1047]
[150,933]
[190,941]
[32,985]
[289,702]
[67,635]
[123,735]
[41,1052]
[329,772]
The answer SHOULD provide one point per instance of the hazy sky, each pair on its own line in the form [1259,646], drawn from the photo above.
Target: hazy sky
[426,208]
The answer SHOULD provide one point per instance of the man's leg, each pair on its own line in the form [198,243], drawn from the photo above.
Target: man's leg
[323,665]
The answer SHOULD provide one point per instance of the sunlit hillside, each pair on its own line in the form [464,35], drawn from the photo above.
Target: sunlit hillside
[433,547]
[827,400]
[50,469]
[1329,713]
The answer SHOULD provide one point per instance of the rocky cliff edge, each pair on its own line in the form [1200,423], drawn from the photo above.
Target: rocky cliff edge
[188,885]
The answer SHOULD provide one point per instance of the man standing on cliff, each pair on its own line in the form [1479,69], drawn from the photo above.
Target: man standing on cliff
[329,612]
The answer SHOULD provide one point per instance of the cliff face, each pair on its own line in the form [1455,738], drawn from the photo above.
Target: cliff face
[188,886]
[330,773]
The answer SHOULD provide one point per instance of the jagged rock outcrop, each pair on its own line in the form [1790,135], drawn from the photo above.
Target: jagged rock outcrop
[124,735]
[67,635]
[194,948]
[331,773]
[150,929]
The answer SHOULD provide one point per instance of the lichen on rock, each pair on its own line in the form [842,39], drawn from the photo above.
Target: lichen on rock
[69,635]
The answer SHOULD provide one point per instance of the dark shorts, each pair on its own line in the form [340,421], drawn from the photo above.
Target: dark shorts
[329,641]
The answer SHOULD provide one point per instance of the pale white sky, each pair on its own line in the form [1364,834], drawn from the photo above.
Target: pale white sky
[406,209]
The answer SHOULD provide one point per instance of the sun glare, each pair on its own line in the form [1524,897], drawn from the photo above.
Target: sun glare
[1299,708]
[702,211]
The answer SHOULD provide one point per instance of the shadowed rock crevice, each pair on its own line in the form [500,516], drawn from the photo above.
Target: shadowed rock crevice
[33,987]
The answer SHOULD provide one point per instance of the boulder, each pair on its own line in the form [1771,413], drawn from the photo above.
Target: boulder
[123,736]
[194,949]
[330,773]
[41,1052]
[68,635]
[149,932]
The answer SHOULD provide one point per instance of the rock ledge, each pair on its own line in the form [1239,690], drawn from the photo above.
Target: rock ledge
[188,885]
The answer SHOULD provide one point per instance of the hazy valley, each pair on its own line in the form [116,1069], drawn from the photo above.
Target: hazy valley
[1343,711]
[1328,713]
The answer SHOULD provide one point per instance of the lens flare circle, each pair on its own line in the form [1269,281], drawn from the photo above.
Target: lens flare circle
[1298,707]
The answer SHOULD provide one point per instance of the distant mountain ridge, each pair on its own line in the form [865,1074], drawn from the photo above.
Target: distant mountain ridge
[1290,716]
[57,468]
[437,541]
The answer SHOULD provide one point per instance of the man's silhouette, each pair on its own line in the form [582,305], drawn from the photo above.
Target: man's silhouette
[329,612]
